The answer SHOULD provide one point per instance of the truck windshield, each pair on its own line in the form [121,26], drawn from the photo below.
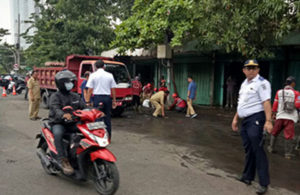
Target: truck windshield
[119,72]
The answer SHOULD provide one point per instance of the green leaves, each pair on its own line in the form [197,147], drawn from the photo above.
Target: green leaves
[249,27]
[3,32]
[73,27]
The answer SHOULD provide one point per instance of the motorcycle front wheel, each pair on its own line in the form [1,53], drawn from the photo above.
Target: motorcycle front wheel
[106,177]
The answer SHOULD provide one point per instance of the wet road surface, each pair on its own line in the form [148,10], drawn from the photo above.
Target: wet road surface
[173,156]
[210,136]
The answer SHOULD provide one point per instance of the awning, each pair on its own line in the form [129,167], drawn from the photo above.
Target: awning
[151,53]
[291,39]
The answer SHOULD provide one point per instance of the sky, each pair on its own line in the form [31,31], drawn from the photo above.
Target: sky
[5,21]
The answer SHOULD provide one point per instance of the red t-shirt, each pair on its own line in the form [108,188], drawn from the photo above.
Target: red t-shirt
[136,87]
[163,89]
[178,102]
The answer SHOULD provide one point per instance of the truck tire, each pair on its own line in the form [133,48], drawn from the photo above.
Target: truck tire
[117,112]
[45,101]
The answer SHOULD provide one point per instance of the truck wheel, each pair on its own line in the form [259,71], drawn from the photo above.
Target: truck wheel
[45,101]
[117,112]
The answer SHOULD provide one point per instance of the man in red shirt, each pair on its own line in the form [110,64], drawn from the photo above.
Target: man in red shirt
[136,92]
[178,103]
[147,91]
[285,106]
[163,86]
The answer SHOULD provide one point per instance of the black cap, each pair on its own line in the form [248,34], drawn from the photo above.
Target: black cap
[290,80]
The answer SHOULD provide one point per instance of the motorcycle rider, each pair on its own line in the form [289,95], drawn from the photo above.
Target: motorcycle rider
[64,81]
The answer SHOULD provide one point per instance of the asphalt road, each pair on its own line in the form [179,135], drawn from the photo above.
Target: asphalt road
[148,164]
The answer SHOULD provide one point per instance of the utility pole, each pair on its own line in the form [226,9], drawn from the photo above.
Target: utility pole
[18,41]
[18,36]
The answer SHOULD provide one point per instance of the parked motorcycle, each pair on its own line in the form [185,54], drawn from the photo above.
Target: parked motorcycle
[86,151]
[19,84]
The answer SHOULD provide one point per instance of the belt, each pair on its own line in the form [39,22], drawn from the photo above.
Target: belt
[101,95]
[258,113]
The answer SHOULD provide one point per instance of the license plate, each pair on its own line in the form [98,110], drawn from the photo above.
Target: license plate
[96,125]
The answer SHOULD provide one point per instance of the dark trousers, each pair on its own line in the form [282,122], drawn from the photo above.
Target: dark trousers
[180,109]
[136,101]
[106,108]
[256,159]
[26,93]
[58,131]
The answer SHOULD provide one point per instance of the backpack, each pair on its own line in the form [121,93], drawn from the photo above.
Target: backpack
[288,104]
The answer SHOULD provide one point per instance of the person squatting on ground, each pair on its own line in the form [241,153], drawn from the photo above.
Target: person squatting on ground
[254,108]
[64,81]
[83,87]
[34,96]
[286,103]
[178,103]
[136,93]
[191,95]
[102,84]
[158,100]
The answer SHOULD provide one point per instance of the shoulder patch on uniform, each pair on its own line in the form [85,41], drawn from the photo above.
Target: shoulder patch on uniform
[261,78]
[264,86]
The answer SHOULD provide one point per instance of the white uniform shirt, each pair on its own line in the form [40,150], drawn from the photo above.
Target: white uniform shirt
[252,94]
[102,82]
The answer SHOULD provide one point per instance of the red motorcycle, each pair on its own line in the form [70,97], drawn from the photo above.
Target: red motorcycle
[85,149]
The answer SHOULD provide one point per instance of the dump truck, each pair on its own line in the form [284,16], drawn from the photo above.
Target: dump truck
[79,64]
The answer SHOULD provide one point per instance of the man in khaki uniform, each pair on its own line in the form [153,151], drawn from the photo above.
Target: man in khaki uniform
[34,96]
[158,100]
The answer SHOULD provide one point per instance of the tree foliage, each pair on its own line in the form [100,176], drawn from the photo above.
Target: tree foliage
[3,32]
[71,27]
[6,57]
[249,27]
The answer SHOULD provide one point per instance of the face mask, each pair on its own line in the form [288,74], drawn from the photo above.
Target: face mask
[69,86]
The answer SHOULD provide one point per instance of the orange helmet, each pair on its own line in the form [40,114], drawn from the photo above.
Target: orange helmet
[174,95]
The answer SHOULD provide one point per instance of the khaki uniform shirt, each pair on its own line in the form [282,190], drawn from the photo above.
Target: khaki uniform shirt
[159,97]
[34,85]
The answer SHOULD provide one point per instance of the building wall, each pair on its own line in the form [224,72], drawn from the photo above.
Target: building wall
[210,79]
[201,70]
[25,8]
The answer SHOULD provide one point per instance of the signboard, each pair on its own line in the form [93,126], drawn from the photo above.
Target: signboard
[16,66]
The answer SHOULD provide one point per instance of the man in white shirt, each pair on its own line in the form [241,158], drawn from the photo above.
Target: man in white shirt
[254,107]
[102,85]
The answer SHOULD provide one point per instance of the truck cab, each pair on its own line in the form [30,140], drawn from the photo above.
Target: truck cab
[121,76]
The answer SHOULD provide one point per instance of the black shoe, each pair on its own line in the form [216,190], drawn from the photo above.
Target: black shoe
[261,190]
[245,181]
[33,119]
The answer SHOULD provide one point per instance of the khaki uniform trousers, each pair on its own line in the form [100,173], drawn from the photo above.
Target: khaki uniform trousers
[157,108]
[34,108]
[190,109]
